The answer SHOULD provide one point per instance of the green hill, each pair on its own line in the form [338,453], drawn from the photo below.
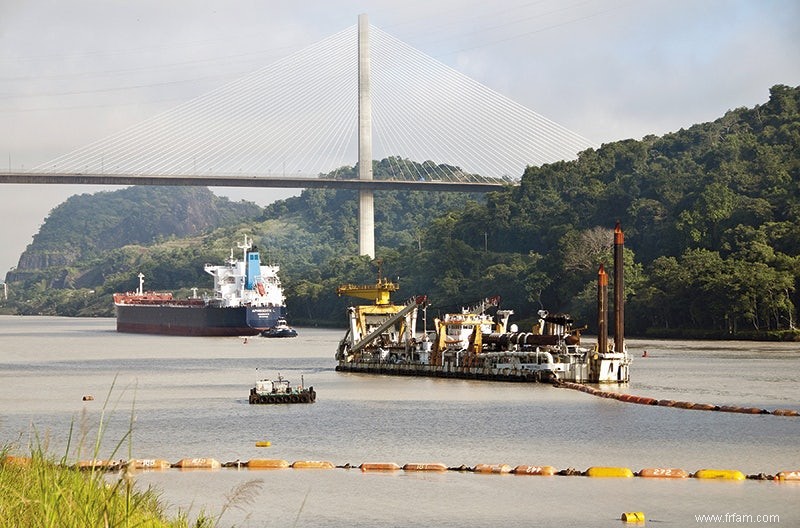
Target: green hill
[711,215]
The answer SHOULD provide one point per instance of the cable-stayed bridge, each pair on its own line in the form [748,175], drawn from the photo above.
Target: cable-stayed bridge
[312,118]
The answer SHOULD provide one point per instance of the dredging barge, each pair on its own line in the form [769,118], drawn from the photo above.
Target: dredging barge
[382,339]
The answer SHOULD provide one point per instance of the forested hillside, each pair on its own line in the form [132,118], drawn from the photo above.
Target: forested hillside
[711,216]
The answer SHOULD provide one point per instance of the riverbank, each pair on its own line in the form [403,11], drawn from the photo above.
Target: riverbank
[35,491]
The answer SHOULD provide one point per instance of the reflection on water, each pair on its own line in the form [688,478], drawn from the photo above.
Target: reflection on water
[188,397]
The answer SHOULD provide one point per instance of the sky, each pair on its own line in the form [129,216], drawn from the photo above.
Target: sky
[72,73]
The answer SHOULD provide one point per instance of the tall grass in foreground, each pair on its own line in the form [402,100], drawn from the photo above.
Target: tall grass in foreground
[37,492]
[40,493]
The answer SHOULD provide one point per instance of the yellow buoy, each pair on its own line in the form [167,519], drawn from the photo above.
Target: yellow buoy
[725,474]
[632,517]
[263,443]
[602,471]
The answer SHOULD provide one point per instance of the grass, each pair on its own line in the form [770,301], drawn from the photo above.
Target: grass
[39,492]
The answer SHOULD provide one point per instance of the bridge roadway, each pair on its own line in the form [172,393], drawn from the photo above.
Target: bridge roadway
[293,182]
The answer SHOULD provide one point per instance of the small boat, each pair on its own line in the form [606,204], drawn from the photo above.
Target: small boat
[281,329]
[281,391]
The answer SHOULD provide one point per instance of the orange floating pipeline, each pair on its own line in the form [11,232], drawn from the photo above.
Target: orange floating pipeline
[197,463]
[149,463]
[425,467]
[266,463]
[379,466]
[788,475]
[15,460]
[312,464]
[663,473]
[492,468]
[97,464]
[535,470]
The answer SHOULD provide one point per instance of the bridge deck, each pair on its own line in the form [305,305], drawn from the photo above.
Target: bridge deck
[245,181]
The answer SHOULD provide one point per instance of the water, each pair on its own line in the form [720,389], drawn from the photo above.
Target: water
[187,397]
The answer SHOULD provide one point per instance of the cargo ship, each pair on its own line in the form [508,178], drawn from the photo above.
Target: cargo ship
[247,299]
[473,344]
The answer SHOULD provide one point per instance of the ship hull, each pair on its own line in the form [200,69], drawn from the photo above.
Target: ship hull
[195,320]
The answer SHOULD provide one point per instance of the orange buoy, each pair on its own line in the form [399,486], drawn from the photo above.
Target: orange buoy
[266,463]
[666,403]
[149,463]
[785,412]
[788,475]
[379,466]
[705,407]
[197,463]
[312,464]
[492,468]
[683,405]
[88,397]
[425,467]
[663,473]
[535,470]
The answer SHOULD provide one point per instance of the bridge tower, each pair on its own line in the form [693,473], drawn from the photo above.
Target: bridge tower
[366,205]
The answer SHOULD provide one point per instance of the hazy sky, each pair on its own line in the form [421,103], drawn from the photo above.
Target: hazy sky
[73,72]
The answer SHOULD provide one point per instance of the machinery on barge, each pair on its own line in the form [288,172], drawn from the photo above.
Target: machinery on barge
[472,344]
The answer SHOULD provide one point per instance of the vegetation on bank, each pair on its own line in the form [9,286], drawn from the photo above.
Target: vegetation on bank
[38,493]
[711,217]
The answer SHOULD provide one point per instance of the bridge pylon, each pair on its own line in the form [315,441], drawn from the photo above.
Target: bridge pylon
[366,202]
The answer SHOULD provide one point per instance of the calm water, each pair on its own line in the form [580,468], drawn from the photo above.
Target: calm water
[187,397]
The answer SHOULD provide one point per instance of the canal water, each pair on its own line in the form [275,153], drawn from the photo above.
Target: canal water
[186,397]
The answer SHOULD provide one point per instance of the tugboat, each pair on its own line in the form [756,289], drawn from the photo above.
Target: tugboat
[281,329]
[281,391]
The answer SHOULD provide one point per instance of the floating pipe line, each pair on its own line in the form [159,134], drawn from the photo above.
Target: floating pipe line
[644,400]
[489,469]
